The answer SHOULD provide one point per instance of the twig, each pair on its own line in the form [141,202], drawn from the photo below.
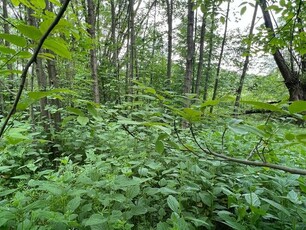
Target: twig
[182,143]
[251,163]
[196,141]
[30,62]
[129,132]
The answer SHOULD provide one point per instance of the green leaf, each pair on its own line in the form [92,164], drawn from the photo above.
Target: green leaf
[30,31]
[252,199]
[222,19]
[48,56]
[262,105]
[173,204]
[73,204]
[167,191]
[277,206]
[297,107]
[293,197]
[95,219]
[75,111]
[138,210]
[24,54]
[290,136]
[41,4]
[5,168]
[15,2]
[7,192]
[56,2]
[7,50]
[230,221]
[92,110]
[242,10]
[83,120]
[191,115]
[159,146]
[58,46]
[14,39]
[132,191]
[210,103]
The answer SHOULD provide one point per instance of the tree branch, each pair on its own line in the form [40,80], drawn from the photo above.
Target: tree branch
[247,162]
[30,62]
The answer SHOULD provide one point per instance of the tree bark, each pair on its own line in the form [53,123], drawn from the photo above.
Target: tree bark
[190,49]
[91,20]
[170,34]
[201,56]
[208,70]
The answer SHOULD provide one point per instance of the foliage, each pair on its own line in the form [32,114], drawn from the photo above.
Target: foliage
[148,180]
[149,158]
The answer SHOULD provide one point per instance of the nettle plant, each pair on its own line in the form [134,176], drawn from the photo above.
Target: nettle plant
[140,169]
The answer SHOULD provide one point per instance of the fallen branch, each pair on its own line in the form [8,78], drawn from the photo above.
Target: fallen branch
[247,162]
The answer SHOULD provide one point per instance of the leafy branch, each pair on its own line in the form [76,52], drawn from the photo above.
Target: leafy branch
[30,62]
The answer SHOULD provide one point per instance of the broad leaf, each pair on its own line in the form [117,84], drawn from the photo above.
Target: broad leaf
[14,39]
[83,120]
[173,204]
[262,105]
[95,219]
[41,4]
[30,31]
[277,206]
[58,46]
[252,199]
[297,107]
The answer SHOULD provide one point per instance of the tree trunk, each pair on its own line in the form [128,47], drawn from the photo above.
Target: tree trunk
[7,44]
[170,33]
[53,83]
[221,55]
[208,70]
[190,49]
[91,20]
[201,55]
[246,63]
[132,44]
[294,80]
[115,64]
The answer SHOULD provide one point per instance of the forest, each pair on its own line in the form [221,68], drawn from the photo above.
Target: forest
[153,114]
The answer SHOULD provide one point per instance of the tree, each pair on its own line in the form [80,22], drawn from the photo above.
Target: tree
[91,20]
[246,61]
[210,52]
[293,70]
[214,96]
[190,49]
[170,37]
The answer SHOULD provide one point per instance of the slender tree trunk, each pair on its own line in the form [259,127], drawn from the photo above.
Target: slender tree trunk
[170,35]
[115,50]
[208,69]
[194,71]
[153,46]
[132,44]
[53,83]
[190,49]
[7,44]
[221,55]
[294,81]
[246,62]
[91,20]
[201,56]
